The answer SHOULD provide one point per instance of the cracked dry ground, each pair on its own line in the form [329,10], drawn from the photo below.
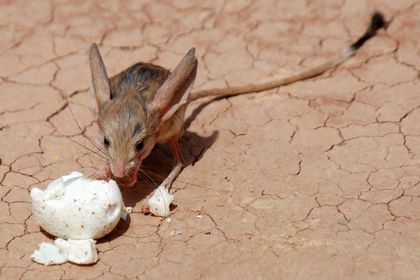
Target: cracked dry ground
[315,180]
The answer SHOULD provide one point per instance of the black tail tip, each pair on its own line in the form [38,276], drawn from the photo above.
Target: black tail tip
[377,22]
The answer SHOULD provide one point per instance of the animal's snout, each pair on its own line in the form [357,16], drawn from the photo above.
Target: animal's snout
[118,169]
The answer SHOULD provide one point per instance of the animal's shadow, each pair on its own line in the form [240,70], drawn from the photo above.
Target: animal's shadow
[120,229]
[159,163]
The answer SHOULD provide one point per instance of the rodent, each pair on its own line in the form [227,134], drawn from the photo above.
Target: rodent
[145,105]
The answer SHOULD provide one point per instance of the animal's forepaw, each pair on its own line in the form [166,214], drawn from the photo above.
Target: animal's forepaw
[104,173]
[145,208]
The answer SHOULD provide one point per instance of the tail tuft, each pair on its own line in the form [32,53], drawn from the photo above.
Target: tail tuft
[377,22]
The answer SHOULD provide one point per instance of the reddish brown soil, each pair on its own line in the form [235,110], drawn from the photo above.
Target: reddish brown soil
[316,180]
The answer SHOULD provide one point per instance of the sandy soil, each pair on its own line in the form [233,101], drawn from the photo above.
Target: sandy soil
[316,180]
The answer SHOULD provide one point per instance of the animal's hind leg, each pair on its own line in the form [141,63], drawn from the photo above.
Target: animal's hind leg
[176,170]
[176,127]
[179,163]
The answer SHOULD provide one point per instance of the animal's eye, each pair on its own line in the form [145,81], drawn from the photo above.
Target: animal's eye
[139,145]
[106,142]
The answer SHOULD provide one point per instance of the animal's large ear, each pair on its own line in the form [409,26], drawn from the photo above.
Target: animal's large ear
[100,81]
[175,91]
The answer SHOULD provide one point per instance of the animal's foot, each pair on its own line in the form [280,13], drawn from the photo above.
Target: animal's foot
[145,209]
[104,173]
[158,203]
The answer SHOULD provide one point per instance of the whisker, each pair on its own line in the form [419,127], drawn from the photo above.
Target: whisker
[158,176]
[104,157]
[83,133]
[145,168]
[96,145]
[99,160]
[92,176]
[91,163]
[142,172]
[149,170]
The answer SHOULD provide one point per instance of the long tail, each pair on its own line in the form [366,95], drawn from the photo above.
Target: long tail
[377,22]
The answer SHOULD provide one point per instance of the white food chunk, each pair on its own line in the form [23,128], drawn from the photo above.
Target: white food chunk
[75,251]
[76,207]
[127,211]
[160,201]
[78,251]
[48,254]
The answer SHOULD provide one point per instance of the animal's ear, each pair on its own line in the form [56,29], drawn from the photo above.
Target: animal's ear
[175,91]
[100,81]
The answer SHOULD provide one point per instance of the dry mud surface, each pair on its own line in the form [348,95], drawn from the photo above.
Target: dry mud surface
[316,180]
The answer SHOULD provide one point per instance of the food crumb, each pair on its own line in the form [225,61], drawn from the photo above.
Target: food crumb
[175,232]
[342,221]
